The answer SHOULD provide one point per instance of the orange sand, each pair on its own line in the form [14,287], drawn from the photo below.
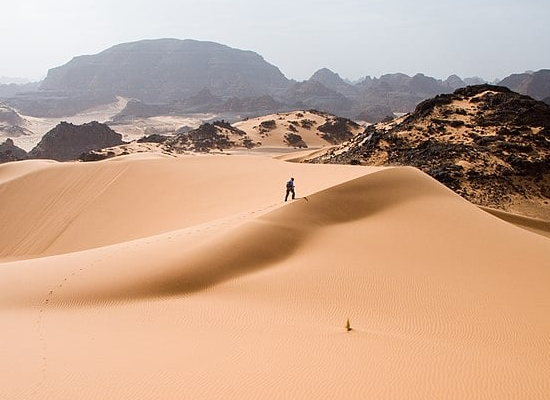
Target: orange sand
[153,277]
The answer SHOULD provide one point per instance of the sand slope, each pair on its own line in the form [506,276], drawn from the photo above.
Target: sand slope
[153,277]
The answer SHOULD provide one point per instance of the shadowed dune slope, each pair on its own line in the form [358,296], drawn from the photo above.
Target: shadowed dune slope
[445,300]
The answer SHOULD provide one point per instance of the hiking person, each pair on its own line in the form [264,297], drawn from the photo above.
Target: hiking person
[290,189]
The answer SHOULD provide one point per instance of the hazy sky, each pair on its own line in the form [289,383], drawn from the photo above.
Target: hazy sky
[355,38]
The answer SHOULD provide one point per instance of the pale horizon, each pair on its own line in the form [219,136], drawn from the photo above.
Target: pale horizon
[352,38]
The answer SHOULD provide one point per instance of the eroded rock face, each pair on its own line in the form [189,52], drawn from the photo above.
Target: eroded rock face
[485,142]
[67,141]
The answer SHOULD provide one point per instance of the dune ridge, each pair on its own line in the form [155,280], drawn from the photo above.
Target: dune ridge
[246,296]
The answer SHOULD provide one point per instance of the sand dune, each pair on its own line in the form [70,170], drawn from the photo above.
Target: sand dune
[157,277]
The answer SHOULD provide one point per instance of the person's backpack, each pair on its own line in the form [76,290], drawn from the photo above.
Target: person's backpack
[289,185]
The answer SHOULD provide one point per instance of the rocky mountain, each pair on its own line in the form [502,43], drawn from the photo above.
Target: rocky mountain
[189,76]
[536,84]
[10,152]
[164,70]
[67,141]
[333,81]
[487,143]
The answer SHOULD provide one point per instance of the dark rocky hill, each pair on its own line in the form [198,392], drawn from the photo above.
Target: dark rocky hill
[67,141]
[10,152]
[487,143]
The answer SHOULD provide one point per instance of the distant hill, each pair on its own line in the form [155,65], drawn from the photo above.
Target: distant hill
[333,81]
[165,70]
[536,84]
[189,76]
[485,142]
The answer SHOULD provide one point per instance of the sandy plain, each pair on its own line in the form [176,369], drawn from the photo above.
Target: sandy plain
[149,276]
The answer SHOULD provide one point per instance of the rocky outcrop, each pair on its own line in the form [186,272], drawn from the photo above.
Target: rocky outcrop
[10,152]
[487,143]
[219,135]
[67,141]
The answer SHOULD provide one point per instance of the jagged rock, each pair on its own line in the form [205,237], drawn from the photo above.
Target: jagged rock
[485,142]
[68,142]
[10,152]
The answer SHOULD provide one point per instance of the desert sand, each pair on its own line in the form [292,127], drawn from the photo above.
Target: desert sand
[153,277]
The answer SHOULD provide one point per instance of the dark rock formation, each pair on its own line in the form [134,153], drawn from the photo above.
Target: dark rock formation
[67,141]
[219,135]
[337,130]
[10,152]
[485,142]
